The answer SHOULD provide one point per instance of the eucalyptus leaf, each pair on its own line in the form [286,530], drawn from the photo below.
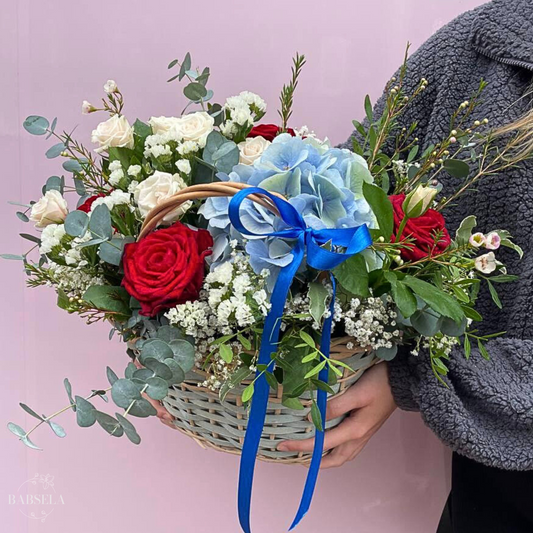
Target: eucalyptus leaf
[185,66]
[178,375]
[54,183]
[72,165]
[111,251]
[109,424]
[427,322]
[157,388]
[183,354]
[29,443]
[160,369]
[100,222]
[31,238]
[76,223]
[111,376]
[68,388]
[124,391]
[85,412]
[57,429]
[36,125]
[22,216]
[194,91]
[31,412]
[142,409]
[129,429]
[451,328]
[16,430]
[387,354]
[155,349]
[55,150]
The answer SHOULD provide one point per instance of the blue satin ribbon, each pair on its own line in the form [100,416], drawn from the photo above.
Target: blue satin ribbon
[307,242]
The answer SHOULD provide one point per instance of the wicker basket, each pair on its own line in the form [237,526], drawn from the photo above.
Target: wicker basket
[199,413]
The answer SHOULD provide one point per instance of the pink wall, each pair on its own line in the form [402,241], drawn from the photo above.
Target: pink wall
[53,55]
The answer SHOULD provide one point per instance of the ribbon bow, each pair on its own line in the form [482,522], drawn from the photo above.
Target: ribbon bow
[354,240]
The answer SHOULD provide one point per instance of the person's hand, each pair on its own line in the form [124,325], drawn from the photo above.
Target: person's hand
[162,413]
[368,403]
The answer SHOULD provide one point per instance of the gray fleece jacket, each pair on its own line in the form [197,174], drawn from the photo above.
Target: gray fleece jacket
[486,413]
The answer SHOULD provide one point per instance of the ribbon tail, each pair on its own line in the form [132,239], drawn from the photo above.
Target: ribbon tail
[321,401]
[256,418]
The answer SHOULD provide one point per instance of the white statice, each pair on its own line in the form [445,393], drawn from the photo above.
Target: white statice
[116,172]
[132,186]
[134,170]
[51,237]
[233,298]
[113,199]
[184,165]
[188,147]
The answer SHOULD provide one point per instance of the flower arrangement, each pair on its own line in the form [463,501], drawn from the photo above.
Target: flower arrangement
[198,291]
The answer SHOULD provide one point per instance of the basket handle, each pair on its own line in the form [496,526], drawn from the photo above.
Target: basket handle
[196,192]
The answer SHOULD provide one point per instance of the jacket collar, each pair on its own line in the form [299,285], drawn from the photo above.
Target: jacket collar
[503,31]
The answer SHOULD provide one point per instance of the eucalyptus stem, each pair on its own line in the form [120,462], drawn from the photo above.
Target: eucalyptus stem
[47,418]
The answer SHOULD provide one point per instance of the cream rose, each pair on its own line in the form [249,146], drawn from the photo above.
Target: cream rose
[114,132]
[252,149]
[50,209]
[196,127]
[156,189]
[163,124]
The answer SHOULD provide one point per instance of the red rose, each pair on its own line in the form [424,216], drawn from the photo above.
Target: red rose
[86,206]
[268,131]
[166,268]
[422,230]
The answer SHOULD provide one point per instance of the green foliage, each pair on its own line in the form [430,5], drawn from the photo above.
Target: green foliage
[381,206]
[438,300]
[108,299]
[352,275]
[318,295]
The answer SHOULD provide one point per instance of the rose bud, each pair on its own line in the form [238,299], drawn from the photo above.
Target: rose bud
[417,202]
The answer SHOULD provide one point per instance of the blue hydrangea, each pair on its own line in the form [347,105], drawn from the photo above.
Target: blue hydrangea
[324,184]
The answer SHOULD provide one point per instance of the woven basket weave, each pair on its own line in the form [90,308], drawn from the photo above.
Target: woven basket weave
[199,413]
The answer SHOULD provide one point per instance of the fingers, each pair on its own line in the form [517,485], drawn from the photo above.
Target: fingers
[347,430]
[343,404]
[343,453]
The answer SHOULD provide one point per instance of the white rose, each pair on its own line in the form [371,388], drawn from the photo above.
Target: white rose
[196,127]
[50,209]
[110,86]
[163,124]
[154,190]
[252,149]
[115,132]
